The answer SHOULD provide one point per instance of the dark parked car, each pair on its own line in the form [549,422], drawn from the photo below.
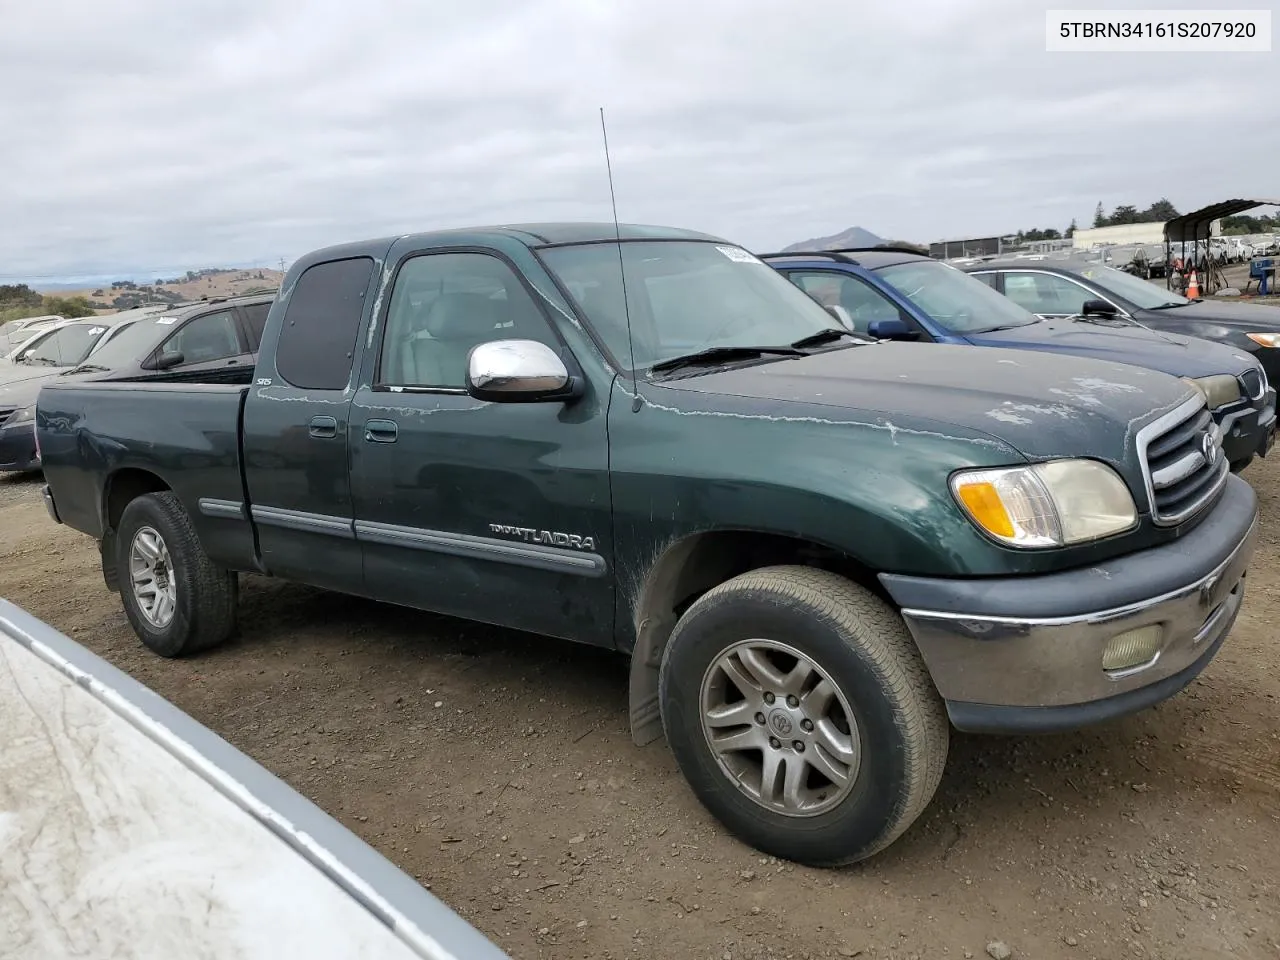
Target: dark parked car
[208,340]
[51,353]
[817,549]
[899,294]
[1062,288]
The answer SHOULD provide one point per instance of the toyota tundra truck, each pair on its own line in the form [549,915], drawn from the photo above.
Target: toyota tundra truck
[821,553]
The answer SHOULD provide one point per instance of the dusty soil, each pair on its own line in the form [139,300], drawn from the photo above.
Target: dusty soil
[496,768]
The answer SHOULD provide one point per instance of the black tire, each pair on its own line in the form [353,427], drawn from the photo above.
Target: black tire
[863,646]
[205,610]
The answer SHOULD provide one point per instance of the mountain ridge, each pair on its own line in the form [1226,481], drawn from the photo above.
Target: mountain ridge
[852,237]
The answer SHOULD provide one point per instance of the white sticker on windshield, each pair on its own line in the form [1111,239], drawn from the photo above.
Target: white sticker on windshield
[166,321]
[738,255]
[94,331]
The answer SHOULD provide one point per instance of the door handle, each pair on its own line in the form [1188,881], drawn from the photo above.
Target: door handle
[324,428]
[381,431]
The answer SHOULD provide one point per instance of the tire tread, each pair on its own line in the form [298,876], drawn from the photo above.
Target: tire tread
[881,638]
[212,589]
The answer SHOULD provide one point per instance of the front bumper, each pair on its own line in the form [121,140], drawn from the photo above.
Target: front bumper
[1024,654]
[18,448]
[1251,430]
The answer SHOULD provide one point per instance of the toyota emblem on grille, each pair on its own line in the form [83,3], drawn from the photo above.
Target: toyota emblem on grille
[1208,447]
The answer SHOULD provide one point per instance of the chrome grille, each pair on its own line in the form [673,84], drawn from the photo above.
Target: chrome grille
[1253,384]
[1182,462]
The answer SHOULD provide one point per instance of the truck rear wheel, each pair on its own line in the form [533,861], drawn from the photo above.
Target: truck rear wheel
[800,712]
[176,599]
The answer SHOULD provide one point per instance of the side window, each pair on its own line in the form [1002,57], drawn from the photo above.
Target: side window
[255,317]
[443,304]
[209,337]
[318,339]
[1044,293]
[857,303]
[989,278]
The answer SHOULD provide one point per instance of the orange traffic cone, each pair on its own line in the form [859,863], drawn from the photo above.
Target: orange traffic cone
[1193,286]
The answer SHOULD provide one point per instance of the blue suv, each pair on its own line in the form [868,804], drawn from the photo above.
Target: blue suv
[889,293]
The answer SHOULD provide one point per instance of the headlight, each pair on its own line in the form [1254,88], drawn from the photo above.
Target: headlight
[1046,504]
[1265,339]
[1219,390]
[22,414]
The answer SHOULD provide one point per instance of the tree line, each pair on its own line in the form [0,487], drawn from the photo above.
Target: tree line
[1158,212]
[17,301]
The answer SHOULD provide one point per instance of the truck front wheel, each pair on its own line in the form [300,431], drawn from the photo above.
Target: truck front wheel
[177,600]
[800,712]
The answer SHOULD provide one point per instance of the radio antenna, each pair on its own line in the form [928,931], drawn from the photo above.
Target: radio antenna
[622,269]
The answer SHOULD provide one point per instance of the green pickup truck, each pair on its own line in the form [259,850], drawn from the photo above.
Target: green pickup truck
[820,553]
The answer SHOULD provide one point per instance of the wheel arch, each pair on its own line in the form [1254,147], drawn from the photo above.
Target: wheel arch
[121,488]
[688,568]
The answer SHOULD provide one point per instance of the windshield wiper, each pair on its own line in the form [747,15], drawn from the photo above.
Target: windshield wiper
[1171,306]
[714,355]
[89,368]
[824,336]
[1007,326]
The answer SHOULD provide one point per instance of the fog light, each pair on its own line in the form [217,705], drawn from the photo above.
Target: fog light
[1132,648]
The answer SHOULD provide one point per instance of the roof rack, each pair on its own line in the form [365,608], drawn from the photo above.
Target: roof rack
[885,248]
[841,255]
[809,255]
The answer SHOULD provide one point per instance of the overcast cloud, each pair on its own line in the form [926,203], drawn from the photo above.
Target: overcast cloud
[153,136]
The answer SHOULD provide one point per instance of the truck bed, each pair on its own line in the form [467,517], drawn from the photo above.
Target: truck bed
[100,436]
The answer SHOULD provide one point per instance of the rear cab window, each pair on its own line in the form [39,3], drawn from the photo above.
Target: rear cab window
[321,324]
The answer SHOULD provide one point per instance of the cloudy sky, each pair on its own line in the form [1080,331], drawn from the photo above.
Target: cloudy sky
[148,136]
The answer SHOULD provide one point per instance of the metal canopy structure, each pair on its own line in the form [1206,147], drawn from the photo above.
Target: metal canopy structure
[1194,228]
[1195,225]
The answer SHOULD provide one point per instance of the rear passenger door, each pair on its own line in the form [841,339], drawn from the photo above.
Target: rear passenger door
[296,428]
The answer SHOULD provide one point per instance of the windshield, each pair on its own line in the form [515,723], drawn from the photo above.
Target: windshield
[685,296]
[955,300]
[66,346]
[133,344]
[1141,294]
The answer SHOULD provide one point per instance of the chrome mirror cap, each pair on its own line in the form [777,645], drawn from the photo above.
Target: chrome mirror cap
[517,370]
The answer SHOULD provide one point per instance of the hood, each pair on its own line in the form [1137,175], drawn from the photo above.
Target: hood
[22,393]
[1256,317]
[16,373]
[1169,353]
[1042,406]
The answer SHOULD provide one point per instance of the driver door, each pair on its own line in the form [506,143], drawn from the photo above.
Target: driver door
[497,512]
[206,342]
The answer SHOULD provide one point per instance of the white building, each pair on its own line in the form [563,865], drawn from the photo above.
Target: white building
[1127,233]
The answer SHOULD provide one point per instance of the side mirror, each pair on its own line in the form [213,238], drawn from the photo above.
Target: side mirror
[1098,308]
[895,329]
[518,371]
[168,360]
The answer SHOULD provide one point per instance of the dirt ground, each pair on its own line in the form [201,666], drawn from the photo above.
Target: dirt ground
[496,767]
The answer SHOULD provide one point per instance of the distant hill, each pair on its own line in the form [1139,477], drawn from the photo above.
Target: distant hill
[195,284]
[853,237]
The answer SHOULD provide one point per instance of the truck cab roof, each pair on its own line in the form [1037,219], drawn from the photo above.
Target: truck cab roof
[529,234]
